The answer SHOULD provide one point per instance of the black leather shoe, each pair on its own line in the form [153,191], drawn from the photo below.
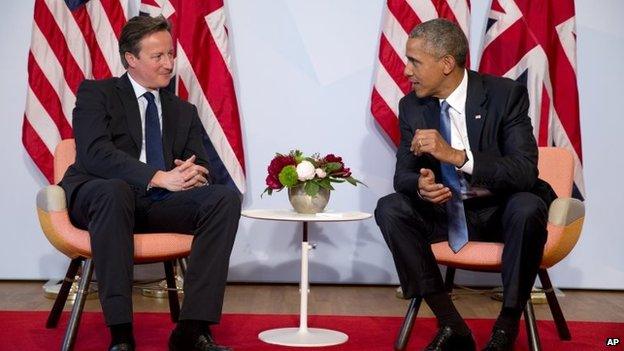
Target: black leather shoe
[500,341]
[203,342]
[122,347]
[448,340]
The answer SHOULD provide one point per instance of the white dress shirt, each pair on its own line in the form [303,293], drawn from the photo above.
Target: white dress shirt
[457,113]
[139,90]
[459,136]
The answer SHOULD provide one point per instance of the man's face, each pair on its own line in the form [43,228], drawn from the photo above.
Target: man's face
[424,70]
[154,64]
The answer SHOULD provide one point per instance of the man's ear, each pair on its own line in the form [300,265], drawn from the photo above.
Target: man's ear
[449,63]
[130,58]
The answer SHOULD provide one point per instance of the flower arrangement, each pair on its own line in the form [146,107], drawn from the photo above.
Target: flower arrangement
[314,172]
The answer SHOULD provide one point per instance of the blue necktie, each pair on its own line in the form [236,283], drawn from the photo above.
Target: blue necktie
[153,137]
[457,228]
[153,144]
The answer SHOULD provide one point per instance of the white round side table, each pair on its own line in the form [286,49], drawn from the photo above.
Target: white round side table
[304,336]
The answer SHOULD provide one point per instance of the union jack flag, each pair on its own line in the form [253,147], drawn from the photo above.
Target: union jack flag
[401,16]
[204,78]
[534,41]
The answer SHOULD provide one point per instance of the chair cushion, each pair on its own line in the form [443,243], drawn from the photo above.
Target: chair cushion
[148,247]
[474,256]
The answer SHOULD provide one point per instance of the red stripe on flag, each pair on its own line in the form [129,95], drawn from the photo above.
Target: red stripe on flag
[499,57]
[115,14]
[214,78]
[497,7]
[393,64]
[150,3]
[47,96]
[212,6]
[182,91]
[444,10]
[565,90]
[98,62]
[405,15]
[38,151]
[56,40]
[385,117]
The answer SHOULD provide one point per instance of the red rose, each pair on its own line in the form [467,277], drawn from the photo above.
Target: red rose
[273,183]
[275,167]
[333,158]
[342,172]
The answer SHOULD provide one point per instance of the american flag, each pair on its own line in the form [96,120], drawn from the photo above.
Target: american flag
[401,16]
[534,41]
[204,78]
[71,41]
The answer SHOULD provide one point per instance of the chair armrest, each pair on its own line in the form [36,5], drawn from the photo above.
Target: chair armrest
[51,198]
[564,211]
[565,221]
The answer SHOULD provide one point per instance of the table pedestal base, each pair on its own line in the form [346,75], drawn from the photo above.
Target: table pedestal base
[308,337]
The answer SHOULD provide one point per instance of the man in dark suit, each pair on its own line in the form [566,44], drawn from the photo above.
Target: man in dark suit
[466,169]
[141,167]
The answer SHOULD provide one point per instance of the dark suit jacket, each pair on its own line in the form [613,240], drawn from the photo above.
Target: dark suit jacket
[500,135]
[108,133]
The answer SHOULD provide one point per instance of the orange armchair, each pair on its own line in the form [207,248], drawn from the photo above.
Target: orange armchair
[75,244]
[565,221]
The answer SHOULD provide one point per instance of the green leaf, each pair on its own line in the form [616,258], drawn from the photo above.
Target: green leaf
[298,155]
[332,167]
[336,180]
[351,181]
[325,184]
[354,181]
[311,160]
[311,188]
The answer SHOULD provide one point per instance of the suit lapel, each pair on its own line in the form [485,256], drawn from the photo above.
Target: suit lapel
[475,112]
[431,113]
[170,122]
[131,107]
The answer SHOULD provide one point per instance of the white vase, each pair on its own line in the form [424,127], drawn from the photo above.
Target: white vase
[304,203]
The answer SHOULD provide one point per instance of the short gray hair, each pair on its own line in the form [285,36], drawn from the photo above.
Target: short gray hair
[443,37]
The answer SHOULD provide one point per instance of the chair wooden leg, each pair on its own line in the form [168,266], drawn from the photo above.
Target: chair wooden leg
[172,292]
[76,313]
[531,327]
[553,303]
[61,298]
[408,323]
[449,279]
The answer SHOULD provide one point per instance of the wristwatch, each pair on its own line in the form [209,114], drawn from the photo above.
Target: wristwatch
[465,159]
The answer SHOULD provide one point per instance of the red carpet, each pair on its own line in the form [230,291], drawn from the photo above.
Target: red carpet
[25,331]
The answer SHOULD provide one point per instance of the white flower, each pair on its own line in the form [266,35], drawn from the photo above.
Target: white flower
[321,173]
[305,171]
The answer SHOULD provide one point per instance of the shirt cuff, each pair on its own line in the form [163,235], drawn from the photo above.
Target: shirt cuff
[469,165]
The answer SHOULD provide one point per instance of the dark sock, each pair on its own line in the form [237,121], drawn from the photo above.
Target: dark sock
[193,327]
[509,320]
[121,333]
[446,313]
